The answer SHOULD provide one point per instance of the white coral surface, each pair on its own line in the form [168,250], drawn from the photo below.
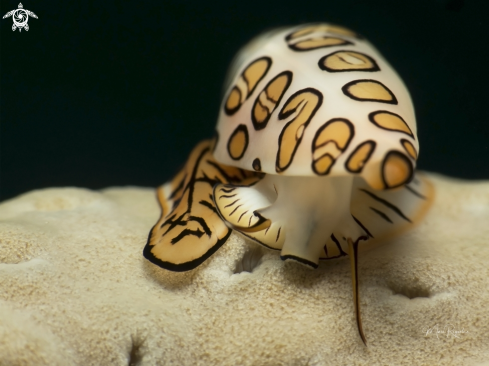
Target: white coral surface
[76,290]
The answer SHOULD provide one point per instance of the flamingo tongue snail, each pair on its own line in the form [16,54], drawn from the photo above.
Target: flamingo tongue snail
[314,156]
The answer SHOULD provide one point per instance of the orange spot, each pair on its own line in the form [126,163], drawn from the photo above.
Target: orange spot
[360,156]
[347,61]
[409,148]
[238,142]
[323,164]
[255,72]
[369,90]
[234,100]
[389,121]
[397,169]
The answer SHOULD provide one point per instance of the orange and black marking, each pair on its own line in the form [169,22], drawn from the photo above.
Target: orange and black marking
[397,170]
[341,61]
[317,36]
[302,105]
[366,90]
[330,141]
[390,121]
[387,204]
[387,213]
[238,142]
[360,156]
[236,204]
[246,84]
[323,28]
[268,100]
[410,149]
[189,229]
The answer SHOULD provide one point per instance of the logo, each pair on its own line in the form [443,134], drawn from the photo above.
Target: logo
[20,17]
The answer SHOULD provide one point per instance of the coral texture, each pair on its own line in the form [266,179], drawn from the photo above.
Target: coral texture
[76,290]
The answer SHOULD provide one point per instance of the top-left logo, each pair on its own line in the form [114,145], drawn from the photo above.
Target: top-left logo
[20,17]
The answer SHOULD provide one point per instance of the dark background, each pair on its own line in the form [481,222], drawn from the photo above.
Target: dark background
[108,93]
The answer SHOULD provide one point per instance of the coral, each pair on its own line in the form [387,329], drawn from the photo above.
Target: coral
[76,290]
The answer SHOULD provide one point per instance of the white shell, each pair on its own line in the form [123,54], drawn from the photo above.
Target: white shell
[396,139]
